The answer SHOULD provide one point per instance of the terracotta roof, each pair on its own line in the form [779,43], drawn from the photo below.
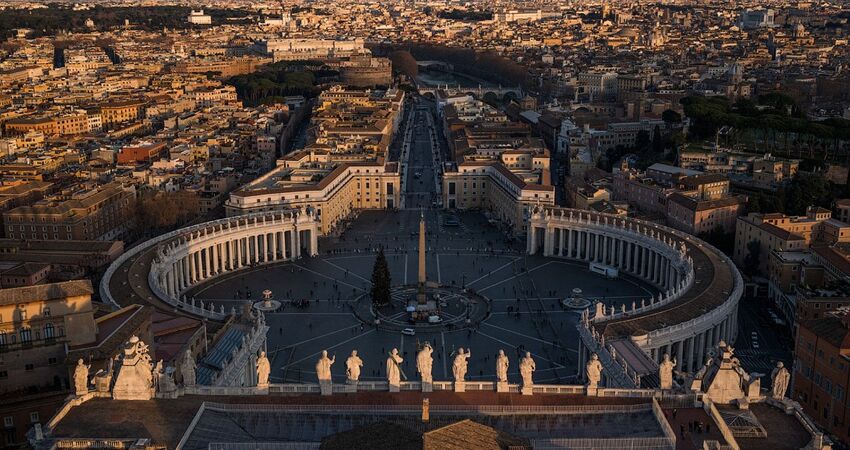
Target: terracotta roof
[712,286]
[694,204]
[53,291]
[467,434]
[25,269]
[785,235]
[380,435]
[835,255]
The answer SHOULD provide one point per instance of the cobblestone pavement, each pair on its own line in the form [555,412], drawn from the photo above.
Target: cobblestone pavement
[524,291]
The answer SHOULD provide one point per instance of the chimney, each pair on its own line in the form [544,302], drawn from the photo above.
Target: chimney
[426,410]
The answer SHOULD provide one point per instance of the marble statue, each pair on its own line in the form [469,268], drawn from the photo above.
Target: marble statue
[460,364]
[780,378]
[135,376]
[263,370]
[526,369]
[187,368]
[424,363]
[165,378]
[593,371]
[157,370]
[709,361]
[323,366]
[352,367]
[725,381]
[81,378]
[393,368]
[665,372]
[502,364]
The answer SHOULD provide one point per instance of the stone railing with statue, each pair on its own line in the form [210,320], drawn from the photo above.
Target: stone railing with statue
[619,372]
[188,257]
[721,381]
[658,255]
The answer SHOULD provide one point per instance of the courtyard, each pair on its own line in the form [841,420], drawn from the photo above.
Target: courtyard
[523,295]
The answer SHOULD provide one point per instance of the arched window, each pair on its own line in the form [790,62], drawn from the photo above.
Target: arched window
[26,335]
[2,338]
[48,331]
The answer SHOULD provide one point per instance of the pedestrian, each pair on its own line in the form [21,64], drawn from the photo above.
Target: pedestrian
[674,412]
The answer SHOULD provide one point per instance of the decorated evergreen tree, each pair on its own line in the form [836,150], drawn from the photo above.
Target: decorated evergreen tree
[381,280]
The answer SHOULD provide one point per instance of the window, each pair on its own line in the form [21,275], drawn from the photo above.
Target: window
[48,331]
[34,417]
[26,335]
[46,311]
[29,367]
[51,361]
[8,421]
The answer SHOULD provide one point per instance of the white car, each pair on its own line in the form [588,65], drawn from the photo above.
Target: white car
[434,319]
[408,331]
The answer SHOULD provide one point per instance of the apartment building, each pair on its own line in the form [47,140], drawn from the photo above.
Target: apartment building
[312,182]
[102,213]
[59,125]
[778,232]
[117,112]
[296,49]
[495,189]
[37,323]
[841,209]
[822,370]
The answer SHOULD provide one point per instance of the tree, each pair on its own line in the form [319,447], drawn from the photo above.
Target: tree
[642,141]
[404,63]
[753,258]
[719,238]
[670,117]
[657,141]
[806,190]
[158,211]
[381,280]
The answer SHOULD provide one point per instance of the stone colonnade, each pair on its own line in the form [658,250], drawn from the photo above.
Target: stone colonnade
[653,253]
[222,246]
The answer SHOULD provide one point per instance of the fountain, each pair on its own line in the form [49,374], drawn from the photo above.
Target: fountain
[576,300]
[268,303]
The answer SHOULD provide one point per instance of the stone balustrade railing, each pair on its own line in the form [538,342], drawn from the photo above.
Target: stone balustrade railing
[623,375]
[168,286]
[243,357]
[645,234]
[602,239]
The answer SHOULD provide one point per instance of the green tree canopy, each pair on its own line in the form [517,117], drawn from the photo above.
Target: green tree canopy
[381,280]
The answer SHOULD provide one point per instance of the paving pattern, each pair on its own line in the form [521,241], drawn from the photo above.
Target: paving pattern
[524,293]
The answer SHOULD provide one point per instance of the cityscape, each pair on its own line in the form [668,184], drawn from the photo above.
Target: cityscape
[490,224]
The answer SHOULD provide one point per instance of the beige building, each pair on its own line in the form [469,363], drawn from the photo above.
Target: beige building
[118,112]
[694,215]
[493,188]
[103,213]
[37,324]
[778,232]
[770,170]
[842,210]
[307,180]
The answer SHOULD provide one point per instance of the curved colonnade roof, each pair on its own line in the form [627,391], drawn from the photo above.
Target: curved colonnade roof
[714,281]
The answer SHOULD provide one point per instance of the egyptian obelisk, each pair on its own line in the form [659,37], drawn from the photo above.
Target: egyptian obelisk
[420,296]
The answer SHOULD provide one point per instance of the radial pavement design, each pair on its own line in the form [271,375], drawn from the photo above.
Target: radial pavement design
[321,297]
